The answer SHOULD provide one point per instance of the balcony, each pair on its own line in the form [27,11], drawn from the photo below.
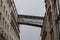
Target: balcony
[1,35]
[9,2]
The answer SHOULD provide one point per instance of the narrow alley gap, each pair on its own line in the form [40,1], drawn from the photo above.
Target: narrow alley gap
[29,32]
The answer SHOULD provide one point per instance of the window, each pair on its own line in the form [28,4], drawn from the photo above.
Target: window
[3,20]
[54,3]
[5,34]
[6,13]
[2,31]
[46,5]
[52,35]
[52,0]
[57,6]
[4,8]
[8,16]
[9,2]
[0,16]
[7,27]
[1,3]
[49,9]
[50,20]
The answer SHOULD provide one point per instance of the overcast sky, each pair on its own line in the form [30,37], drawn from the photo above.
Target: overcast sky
[30,7]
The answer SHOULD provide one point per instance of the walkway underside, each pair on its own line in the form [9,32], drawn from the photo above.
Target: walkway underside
[30,20]
[31,24]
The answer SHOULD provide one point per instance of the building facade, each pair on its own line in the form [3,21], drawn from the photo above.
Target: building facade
[9,29]
[51,22]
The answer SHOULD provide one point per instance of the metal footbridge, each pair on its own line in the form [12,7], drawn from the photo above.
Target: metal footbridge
[30,20]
